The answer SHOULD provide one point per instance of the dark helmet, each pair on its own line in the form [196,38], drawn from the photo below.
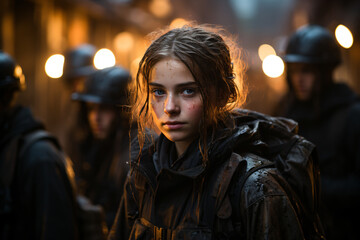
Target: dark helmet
[11,76]
[108,86]
[313,44]
[79,62]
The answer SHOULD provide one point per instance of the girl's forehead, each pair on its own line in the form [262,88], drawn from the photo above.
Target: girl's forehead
[171,70]
[169,63]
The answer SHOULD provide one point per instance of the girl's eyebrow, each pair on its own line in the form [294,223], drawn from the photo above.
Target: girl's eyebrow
[155,84]
[186,84]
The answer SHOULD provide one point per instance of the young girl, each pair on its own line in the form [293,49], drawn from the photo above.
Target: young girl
[187,184]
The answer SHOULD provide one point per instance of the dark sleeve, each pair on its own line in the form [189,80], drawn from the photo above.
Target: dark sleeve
[48,194]
[265,209]
[127,213]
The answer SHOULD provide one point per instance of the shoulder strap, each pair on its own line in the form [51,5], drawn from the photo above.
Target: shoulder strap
[35,136]
[257,166]
[253,164]
[250,163]
[17,149]
[235,172]
[224,179]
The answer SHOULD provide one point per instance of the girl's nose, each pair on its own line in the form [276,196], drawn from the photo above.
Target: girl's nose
[171,107]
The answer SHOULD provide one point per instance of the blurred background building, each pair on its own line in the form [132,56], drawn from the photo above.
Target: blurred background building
[34,30]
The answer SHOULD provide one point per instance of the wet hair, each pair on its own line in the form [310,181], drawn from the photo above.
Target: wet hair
[215,64]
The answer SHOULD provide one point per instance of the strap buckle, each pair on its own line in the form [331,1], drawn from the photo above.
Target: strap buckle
[162,233]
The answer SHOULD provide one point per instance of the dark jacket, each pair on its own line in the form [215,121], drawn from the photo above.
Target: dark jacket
[43,203]
[163,192]
[332,123]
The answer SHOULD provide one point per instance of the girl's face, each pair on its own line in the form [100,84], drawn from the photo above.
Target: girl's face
[176,102]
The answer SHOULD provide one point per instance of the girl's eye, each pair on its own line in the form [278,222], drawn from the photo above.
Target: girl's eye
[189,91]
[157,92]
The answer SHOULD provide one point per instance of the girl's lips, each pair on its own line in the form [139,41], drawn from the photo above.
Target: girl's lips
[173,125]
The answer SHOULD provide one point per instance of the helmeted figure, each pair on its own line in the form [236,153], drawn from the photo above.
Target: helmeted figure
[328,114]
[99,144]
[78,65]
[314,45]
[37,198]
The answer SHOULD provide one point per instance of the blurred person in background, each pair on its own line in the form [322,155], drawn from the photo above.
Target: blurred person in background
[328,114]
[99,146]
[78,65]
[36,192]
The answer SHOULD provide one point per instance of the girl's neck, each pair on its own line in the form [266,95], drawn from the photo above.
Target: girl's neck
[181,147]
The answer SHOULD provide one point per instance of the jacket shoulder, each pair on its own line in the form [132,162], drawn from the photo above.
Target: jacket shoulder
[41,152]
[263,181]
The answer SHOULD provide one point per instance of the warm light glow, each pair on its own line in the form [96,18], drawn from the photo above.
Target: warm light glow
[265,50]
[178,23]
[19,74]
[344,36]
[124,42]
[104,58]
[273,66]
[18,71]
[135,66]
[54,66]
[160,8]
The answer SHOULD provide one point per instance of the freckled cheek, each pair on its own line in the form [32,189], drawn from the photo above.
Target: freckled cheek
[195,110]
[157,108]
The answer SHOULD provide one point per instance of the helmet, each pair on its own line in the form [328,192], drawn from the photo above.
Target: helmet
[313,44]
[11,76]
[79,62]
[107,86]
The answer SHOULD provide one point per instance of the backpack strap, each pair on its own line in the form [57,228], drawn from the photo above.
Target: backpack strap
[234,174]
[19,147]
[223,182]
[223,209]
[16,150]
[31,138]
[257,165]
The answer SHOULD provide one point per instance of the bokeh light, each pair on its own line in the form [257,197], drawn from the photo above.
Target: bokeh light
[265,50]
[160,8]
[124,42]
[104,58]
[18,72]
[273,66]
[178,23]
[54,66]
[344,36]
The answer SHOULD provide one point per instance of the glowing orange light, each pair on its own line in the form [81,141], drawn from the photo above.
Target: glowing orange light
[54,66]
[344,36]
[265,50]
[273,66]
[160,8]
[124,42]
[104,58]
[177,23]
